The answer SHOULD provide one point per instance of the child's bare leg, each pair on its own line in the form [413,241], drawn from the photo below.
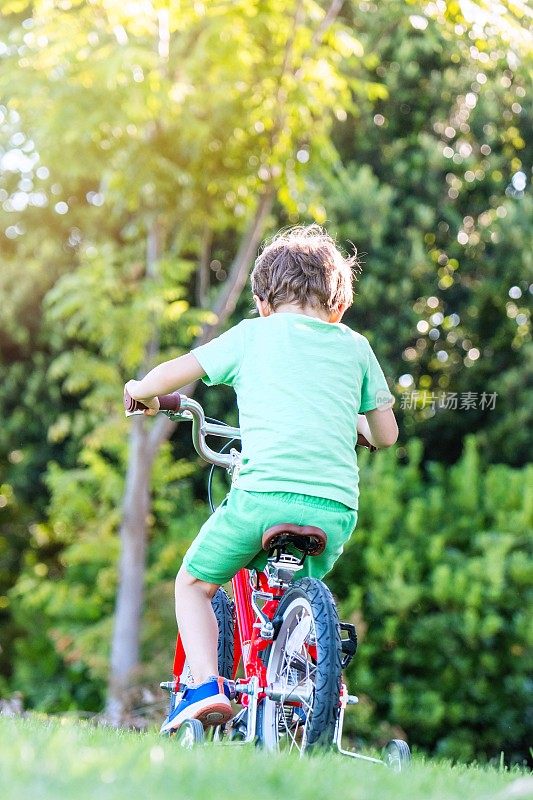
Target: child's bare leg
[197,624]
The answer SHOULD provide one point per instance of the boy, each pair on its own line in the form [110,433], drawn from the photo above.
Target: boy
[301,379]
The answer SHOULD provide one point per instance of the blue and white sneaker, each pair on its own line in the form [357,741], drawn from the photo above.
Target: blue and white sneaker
[209,703]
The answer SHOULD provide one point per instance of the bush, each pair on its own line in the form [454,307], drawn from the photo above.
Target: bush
[437,578]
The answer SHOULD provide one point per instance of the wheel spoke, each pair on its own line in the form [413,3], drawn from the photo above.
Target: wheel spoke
[296,672]
[294,667]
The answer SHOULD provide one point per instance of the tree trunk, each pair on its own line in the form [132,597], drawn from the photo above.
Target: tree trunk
[131,568]
[136,505]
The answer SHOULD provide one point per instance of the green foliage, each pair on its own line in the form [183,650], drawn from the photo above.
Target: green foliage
[65,604]
[437,578]
[189,112]
[425,187]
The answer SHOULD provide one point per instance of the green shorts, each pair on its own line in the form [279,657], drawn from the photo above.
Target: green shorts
[231,537]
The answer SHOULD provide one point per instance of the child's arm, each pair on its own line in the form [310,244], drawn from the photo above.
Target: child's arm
[378,426]
[163,379]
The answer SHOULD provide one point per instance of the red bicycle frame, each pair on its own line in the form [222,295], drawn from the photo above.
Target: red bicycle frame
[248,642]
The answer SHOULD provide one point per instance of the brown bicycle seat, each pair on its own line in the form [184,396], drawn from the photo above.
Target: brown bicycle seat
[306,538]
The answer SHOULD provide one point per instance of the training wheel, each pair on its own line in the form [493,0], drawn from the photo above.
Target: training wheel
[396,755]
[190,733]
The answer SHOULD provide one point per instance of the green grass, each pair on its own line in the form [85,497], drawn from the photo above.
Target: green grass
[52,758]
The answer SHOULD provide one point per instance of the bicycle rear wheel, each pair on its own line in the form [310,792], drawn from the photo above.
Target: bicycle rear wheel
[224,612]
[303,671]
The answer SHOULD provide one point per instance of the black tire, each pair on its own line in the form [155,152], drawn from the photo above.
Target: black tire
[307,605]
[224,612]
[225,616]
[396,755]
[190,733]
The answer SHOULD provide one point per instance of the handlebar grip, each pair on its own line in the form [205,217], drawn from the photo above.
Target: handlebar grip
[167,402]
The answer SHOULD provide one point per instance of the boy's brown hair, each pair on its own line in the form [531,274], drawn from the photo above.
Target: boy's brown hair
[303,265]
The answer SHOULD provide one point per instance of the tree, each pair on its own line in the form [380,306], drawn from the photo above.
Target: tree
[137,140]
[432,185]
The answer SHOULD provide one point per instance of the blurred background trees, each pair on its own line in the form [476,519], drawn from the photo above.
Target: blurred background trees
[144,153]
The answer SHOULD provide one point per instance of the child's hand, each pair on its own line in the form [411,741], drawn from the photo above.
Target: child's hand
[134,389]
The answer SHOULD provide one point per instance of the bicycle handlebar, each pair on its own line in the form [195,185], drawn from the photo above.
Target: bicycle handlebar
[167,402]
[189,410]
[182,408]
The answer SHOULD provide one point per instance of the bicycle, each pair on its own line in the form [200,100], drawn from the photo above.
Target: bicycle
[284,630]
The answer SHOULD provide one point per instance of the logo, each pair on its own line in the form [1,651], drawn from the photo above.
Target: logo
[384,399]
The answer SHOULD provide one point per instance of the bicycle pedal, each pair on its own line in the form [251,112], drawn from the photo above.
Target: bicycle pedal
[348,645]
[352,700]
[232,686]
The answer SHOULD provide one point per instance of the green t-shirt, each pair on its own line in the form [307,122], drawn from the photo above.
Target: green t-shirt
[300,383]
